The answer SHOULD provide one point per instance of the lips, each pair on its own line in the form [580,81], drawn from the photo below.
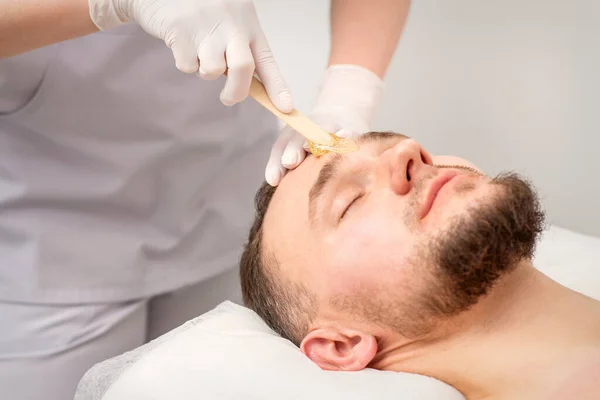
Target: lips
[435,186]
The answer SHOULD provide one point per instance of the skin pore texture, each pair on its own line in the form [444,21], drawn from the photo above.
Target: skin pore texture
[422,264]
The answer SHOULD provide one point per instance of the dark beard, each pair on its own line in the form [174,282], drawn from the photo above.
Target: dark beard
[482,246]
[462,265]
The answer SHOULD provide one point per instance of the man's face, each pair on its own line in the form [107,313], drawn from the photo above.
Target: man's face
[386,234]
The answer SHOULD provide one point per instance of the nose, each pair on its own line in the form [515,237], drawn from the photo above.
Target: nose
[407,163]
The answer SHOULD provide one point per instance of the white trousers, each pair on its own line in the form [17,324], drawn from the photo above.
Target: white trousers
[46,349]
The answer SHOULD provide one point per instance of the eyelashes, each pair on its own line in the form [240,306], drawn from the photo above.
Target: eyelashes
[348,207]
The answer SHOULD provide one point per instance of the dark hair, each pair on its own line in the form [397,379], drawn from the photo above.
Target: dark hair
[286,307]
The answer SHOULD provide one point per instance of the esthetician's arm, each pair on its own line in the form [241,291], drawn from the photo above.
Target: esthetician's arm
[206,37]
[366,33]
[364,37]
[28,24]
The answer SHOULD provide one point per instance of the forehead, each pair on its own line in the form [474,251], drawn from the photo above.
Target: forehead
[286,219]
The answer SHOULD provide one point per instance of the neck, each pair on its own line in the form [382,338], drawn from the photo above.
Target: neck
[508,342]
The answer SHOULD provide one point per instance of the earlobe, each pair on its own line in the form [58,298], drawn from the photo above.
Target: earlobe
[335,350]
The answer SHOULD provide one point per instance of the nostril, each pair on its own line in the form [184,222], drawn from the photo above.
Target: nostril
[410,163]
[423,158]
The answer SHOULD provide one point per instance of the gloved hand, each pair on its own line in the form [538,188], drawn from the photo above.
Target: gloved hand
[206,37]
[348,97]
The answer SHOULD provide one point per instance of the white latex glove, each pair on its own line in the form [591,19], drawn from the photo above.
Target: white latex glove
[348,97]
[207,37]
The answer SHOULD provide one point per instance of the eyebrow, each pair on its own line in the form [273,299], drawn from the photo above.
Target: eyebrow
[332,166]
[328,171]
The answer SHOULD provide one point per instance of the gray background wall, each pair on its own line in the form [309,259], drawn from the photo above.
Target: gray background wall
[512,84]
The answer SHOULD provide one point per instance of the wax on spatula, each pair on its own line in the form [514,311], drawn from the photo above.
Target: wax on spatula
[320,141]
[339,145]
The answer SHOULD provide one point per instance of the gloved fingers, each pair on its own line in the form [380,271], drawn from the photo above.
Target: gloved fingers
[185,54]
[274,170]
[240,70]
[269,74]
[294,152]
[212,62]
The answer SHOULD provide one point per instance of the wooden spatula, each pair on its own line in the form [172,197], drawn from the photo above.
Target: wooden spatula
[320,141]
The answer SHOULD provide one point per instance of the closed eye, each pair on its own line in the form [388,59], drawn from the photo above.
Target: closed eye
[349,206]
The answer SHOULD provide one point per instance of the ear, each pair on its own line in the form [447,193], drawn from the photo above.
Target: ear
[336,350]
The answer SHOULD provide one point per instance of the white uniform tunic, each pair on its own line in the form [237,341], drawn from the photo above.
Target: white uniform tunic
[120,176]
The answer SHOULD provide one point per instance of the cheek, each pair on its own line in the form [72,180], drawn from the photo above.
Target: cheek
[368,252]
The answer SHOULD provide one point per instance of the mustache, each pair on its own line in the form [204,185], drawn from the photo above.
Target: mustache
[461,167]
[423,183]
